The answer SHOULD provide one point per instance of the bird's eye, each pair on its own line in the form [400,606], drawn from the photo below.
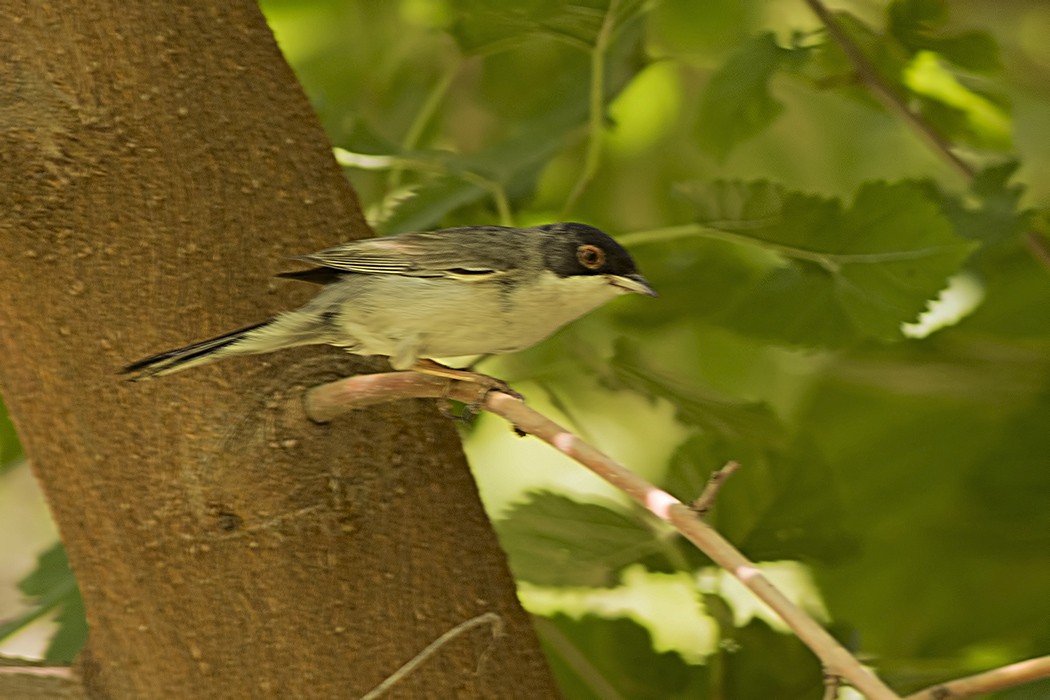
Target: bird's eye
[590,256]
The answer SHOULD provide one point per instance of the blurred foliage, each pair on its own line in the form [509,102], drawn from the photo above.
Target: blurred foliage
[793,228]
[10,447]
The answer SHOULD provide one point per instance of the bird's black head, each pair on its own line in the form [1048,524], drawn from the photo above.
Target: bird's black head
[579,249]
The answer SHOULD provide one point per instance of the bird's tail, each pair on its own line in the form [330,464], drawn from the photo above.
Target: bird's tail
[286,330]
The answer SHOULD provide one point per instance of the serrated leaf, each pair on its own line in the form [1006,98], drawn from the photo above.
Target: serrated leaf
[737,103]
[595,658]
[552,540]
[861,271]
[54,589]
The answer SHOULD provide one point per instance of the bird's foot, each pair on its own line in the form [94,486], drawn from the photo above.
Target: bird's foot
[485,383]
[482,380]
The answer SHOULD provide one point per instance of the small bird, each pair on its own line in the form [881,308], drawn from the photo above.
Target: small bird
[476,290]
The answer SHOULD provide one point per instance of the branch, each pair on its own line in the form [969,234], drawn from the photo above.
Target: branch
[884,93]
[37,680]
[325,402]
[987,682]
[893,102]
[714,484]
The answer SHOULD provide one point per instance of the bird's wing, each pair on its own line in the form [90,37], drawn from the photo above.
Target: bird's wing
[433,254]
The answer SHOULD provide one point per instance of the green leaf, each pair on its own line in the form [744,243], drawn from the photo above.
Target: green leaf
[861,271]
[482,25]
[72,630]
[10,446]
[554,541]
[830,68]
[52,584]
[737,103]
[985,122]
[919,24]
[557,110]
[595,658]
[1016,291]
[990,214]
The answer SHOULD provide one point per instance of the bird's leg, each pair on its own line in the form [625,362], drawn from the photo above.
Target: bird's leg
[483,380]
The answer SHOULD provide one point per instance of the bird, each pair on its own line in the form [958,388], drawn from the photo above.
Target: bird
[414,297]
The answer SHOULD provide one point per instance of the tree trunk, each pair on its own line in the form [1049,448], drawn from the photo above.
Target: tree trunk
[159,161]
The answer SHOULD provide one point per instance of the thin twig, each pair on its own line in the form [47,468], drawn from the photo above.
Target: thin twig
[596,123]
[893,102]
[1038,247]
[987,682]
[714,482]
[831,686]
[884,93]
[324,402]
[489,618]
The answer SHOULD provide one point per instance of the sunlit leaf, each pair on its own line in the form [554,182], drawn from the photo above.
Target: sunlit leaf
[988,124]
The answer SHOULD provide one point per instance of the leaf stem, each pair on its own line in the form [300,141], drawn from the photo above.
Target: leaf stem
[595,126]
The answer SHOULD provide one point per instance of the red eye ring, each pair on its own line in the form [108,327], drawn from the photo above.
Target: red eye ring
[590,256]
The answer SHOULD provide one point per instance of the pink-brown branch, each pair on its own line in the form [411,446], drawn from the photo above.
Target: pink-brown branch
[987,682]
[325,402]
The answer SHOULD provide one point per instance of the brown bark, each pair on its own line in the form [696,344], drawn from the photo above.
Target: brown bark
[159,160]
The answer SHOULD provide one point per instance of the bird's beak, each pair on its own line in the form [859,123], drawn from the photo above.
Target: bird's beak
[633,283]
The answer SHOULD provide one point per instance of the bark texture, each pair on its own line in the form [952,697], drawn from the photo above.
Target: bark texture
[159,160]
